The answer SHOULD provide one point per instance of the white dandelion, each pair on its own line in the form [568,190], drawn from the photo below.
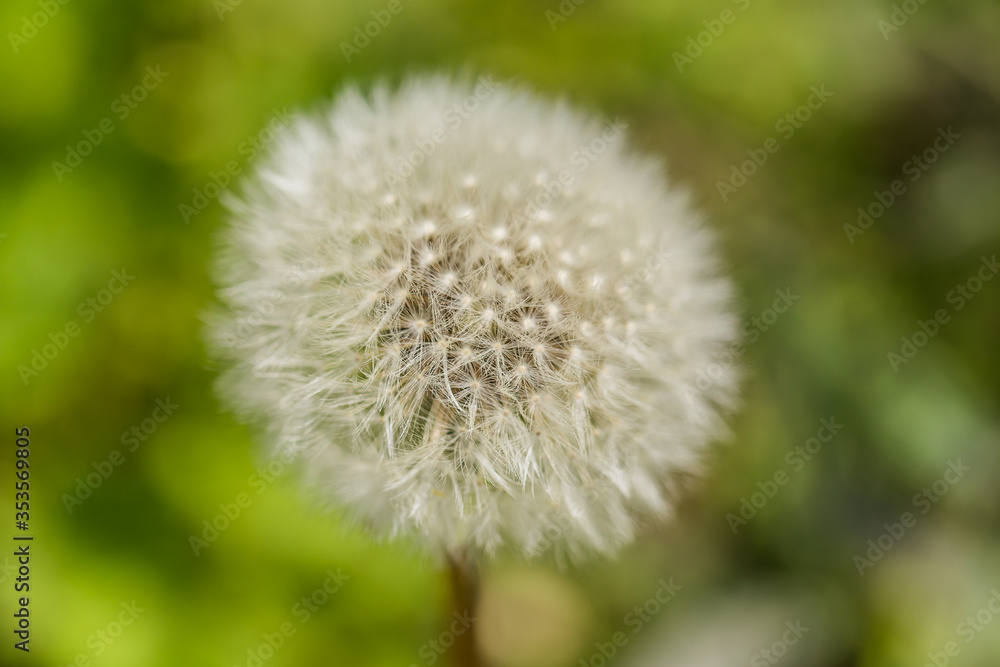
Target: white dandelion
[483,321]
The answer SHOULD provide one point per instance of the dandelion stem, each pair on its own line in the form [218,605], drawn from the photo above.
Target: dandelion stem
[464,579]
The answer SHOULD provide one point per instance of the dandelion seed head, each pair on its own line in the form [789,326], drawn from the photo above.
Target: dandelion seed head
[445,337]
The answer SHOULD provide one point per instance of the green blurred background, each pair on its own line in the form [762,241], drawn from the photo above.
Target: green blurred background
[229,66]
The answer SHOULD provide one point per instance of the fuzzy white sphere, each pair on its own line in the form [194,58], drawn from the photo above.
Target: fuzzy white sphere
[479,316]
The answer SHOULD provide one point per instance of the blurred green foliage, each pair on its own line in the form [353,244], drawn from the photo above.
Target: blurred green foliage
[230,64]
